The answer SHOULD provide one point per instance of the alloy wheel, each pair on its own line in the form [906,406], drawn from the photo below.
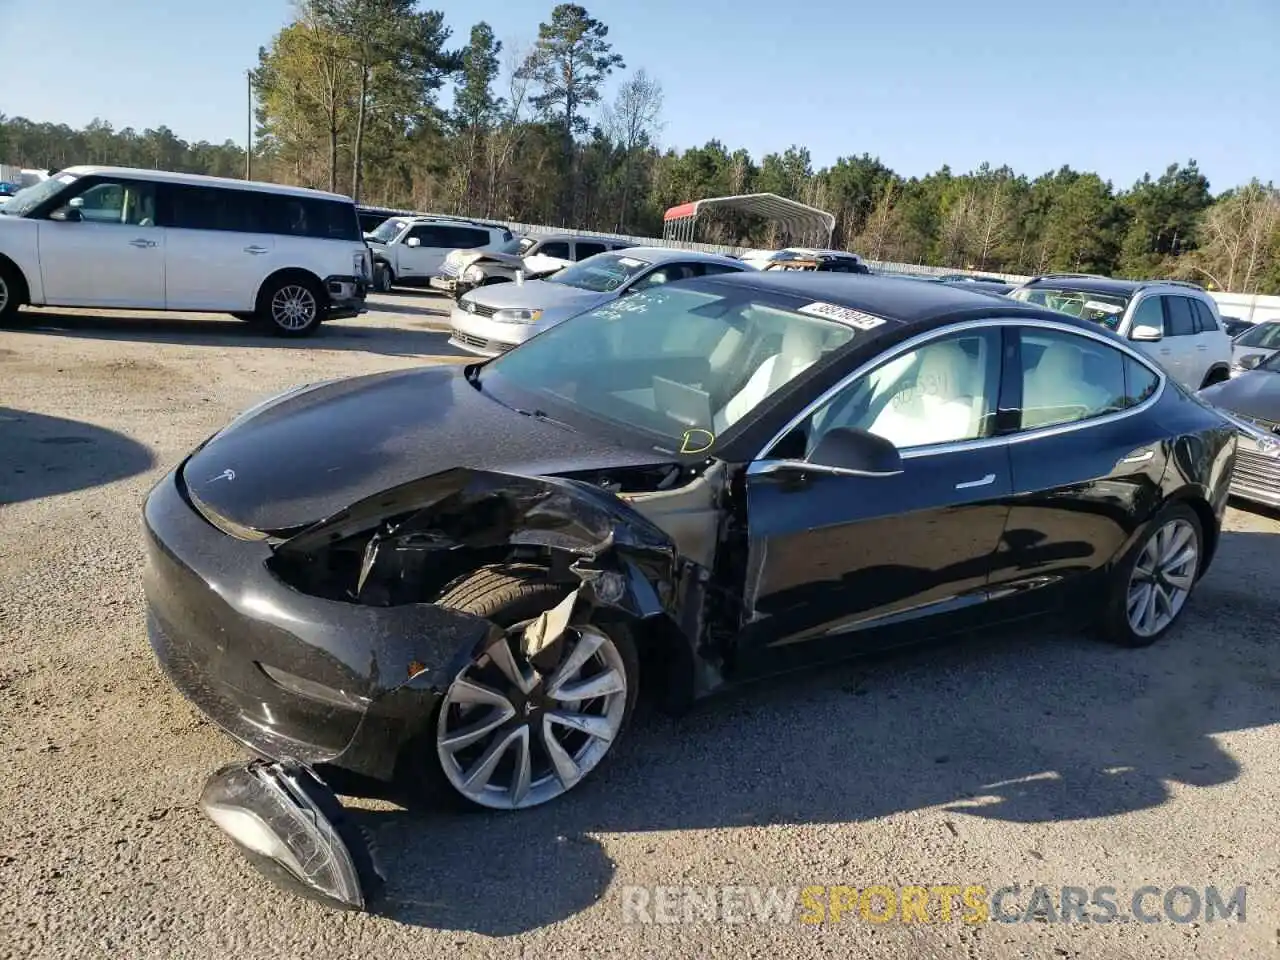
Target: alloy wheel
[4,294]
[293,307]
[1162,578]
[515,731]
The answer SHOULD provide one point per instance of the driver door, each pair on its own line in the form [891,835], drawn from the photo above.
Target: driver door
[840,564]
[104,249]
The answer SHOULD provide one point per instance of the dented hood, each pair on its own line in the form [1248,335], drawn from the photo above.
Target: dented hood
[311,454]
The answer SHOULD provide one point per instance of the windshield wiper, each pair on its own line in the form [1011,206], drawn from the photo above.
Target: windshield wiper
[545,418]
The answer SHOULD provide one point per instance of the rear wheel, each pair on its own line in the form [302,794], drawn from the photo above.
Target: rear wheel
[291,306]
[514,729]
[1152,583]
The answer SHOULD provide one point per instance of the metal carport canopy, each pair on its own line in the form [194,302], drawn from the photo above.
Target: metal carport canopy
[795,217]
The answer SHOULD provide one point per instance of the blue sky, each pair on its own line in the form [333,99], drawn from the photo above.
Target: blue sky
[1115,86]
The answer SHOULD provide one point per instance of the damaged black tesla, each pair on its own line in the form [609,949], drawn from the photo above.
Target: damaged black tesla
[459,577]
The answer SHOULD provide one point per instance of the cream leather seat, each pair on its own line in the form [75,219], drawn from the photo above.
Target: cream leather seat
[1055,391]
[801,348]
[942,407]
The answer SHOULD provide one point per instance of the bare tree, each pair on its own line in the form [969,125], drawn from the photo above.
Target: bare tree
[995,222]
[880,227]
[632,122]
[506,137]
[958,229]
[1241,232]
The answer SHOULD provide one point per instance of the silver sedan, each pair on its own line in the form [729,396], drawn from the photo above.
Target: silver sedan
[492,319]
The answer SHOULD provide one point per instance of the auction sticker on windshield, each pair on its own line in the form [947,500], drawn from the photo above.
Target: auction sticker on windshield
[832,311]
[630,262]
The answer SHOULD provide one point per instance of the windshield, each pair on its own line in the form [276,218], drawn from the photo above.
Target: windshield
[1266,335]
[388,229]
[26,200]
[680,365]
[1104,308]
[1272,363]
[602,273]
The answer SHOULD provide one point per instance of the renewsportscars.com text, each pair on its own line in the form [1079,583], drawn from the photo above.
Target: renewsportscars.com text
[939,903]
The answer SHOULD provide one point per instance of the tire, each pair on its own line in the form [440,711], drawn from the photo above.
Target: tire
[12,294]
[585,729]
[384,277]
[1171,570]
[291,306]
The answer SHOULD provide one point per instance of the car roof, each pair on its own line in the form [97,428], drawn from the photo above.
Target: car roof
[198,179]
[906,303]
[540,237]
[666,254]
[1112,285]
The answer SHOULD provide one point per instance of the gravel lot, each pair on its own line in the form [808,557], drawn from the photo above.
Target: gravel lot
[1033,758]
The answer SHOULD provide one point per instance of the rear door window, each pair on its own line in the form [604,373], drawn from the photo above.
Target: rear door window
[215,208]
[1205,322]
[1179,321]
[462,238]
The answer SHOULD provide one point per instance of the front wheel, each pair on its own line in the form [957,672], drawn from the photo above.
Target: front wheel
[10,297]
[1152,583]
[516,730]
[291,307]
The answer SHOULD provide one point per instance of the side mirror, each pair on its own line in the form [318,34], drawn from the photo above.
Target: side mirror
[856,451]
[1250,362]
[413,242]
[846,452]
[1146,334]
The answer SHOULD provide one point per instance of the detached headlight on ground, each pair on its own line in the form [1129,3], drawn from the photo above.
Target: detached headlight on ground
[291,826]
[517,315]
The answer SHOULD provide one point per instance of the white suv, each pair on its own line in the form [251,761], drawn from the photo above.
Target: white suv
[411,250]
[112,237]
[1175,323]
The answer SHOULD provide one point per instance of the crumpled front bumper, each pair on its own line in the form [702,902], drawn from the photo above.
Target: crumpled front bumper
[291,676]
[346,296]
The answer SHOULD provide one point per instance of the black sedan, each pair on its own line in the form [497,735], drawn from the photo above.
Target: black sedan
[1252,402]
[459,577]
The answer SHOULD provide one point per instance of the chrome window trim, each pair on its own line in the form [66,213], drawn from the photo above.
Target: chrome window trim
[913,343]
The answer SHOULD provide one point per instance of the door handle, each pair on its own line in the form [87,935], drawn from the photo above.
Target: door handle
[256,250]
[1142,457]
[990,478]
[1202,346]
[140,243]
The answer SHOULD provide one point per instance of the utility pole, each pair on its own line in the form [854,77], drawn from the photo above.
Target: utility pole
[248,140]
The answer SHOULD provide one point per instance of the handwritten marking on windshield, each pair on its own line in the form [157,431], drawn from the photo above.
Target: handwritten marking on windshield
[696,440]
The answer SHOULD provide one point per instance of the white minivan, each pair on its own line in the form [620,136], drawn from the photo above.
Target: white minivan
[285,257]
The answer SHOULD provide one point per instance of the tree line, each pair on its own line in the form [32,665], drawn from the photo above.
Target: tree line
[350,97]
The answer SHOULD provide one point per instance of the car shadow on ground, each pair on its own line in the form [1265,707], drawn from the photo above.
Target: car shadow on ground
[1034,725]
[394,305]
[221,330]
[42,456]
